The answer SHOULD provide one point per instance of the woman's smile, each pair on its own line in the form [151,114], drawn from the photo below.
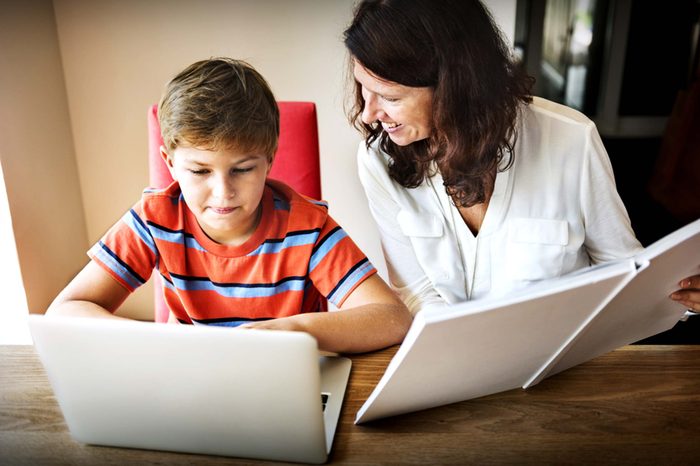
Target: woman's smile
[391,127]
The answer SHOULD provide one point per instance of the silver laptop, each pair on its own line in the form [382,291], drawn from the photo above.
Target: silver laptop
[210,390]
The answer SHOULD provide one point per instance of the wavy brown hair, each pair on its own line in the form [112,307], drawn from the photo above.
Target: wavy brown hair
[454,47]
[220,103]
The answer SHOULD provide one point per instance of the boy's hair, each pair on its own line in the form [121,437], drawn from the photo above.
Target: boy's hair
[219,103]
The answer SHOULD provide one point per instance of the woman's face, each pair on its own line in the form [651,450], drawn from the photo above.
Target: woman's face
[405,113]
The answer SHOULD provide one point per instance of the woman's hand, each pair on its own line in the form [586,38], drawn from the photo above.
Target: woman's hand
[689,293]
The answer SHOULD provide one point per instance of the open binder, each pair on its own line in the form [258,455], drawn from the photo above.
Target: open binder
[477,348]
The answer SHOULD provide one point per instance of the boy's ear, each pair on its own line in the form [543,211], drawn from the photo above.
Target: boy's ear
[269,164]
[167,158]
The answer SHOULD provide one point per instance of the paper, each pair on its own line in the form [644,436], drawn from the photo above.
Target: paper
[487,346]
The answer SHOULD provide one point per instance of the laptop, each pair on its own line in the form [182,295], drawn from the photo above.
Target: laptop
[209,390]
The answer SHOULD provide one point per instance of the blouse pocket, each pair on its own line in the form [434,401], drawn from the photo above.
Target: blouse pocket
[535,248]
[432,251]
[422,226]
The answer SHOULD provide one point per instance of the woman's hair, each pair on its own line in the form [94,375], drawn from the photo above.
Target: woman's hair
[220,103]
[454,47]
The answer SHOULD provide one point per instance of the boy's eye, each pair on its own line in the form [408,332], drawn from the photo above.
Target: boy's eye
[206,171]
[200,171]
[242,169]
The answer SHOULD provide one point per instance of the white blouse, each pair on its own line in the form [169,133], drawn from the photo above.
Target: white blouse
[554,211]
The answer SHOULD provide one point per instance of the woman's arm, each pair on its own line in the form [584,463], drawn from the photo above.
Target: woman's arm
[92,293]
[609,234]
[406,275]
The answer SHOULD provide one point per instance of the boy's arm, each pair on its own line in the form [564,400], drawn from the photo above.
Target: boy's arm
[372,317]
[92,293]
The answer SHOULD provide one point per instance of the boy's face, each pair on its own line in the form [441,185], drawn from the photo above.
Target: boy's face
[223,188]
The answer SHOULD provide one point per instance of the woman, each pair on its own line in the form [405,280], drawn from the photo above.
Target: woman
[477,187]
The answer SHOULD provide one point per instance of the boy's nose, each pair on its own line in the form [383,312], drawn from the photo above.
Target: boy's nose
[223,188]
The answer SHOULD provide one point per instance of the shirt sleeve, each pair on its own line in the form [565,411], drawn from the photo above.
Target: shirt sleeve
[337,264]
[127,251]
[406,275]
[609,234]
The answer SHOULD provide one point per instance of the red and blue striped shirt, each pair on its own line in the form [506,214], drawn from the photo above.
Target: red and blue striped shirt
[297,254]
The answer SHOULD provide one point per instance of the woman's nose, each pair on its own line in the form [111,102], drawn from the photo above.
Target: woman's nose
[370,110]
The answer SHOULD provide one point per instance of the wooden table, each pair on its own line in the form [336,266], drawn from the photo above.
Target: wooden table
[636,405]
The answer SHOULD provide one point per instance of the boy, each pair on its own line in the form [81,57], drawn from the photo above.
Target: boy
[232,247]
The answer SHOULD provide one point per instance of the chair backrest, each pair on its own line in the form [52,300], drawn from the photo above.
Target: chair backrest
[296,163]
[296,160]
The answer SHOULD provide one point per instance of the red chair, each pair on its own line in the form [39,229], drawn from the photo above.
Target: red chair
[296,163]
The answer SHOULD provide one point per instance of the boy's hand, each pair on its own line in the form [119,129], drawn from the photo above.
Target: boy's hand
[372,317]
[283,323]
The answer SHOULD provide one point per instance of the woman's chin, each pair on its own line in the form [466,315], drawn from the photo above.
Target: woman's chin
[403,141]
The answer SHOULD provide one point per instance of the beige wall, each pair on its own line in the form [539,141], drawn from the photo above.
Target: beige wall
[36,150]
[116,57]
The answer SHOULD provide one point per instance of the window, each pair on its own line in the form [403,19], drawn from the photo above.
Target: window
[619,62]
[14,310]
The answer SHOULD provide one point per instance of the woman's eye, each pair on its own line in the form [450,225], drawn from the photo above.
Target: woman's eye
[390,99]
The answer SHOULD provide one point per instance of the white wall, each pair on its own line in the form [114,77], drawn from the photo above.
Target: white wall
[503,12]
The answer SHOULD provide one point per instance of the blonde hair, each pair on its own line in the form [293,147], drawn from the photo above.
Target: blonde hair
[219,103]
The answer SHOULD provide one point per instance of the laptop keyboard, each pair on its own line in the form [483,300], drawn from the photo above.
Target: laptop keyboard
[324,400]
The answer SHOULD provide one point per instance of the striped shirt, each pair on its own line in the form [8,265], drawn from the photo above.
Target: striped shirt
[297,254]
